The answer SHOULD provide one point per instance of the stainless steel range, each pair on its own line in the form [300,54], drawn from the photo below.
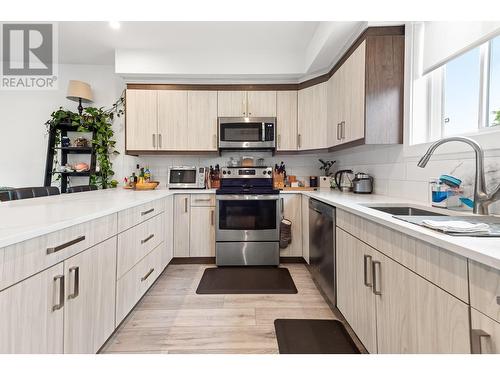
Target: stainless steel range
[247,218]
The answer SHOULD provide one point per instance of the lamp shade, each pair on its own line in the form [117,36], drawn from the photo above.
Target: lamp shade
[79,90]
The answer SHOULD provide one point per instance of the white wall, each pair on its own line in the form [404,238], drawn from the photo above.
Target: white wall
[23,140]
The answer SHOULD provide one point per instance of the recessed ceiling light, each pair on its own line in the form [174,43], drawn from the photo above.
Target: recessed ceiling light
[114,25]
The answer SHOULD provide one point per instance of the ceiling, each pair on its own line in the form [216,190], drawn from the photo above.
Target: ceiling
[288,50]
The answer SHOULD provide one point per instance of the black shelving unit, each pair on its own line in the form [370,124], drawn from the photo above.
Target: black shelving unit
[63,130]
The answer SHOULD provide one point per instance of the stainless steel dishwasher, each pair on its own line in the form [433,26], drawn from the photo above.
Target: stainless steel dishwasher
[322,247]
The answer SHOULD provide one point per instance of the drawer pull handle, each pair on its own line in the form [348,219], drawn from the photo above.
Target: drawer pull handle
[477,335]
[377,290]
[147,275]
[202,200]
[367,266]
[147,239]
[55,249]
[59,305]
[147,212]
[76,285]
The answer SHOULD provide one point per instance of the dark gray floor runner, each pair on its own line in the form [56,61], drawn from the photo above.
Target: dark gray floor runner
[311,336]
[246,280]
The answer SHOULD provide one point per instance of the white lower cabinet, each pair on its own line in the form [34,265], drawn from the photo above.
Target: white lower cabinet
[89,310]
[181,225]
[408,313]
[485,334]
[168,245]
[291,209]
[202,232]
[68,308]
[355,297]
[32,314]
[132,286]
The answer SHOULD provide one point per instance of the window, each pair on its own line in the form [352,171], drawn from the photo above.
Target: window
[494,83]
[461,94]
[460,97]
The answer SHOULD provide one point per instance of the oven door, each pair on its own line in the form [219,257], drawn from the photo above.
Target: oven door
[245,132]
[247,218]
[182,178]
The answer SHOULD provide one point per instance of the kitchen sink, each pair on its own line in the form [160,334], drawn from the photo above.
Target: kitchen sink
[406,211]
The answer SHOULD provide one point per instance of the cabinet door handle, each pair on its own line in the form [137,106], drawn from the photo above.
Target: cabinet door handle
[60,303]
[279,140]
[154,141]
[342,130]
[76,282]
[212,218]
[185,205]
[147,239]
[377,290]
[159,140]
[55,249]
[498,300]
[147,211]
[477,335]
[144,278]
[338,131]
[215,140]
[299,141]
[367,264]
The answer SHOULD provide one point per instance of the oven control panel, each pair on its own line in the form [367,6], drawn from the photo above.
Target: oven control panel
[247,172]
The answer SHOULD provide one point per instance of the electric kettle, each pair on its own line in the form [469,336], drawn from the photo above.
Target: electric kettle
[343,179]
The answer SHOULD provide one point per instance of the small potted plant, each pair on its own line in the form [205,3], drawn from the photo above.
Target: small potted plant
[325,181]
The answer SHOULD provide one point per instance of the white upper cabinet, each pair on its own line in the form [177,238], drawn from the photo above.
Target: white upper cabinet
[346,100]
[261,103]
[172,120]
[202,120]
[247,103]
[286,120]
[142,120]
[354,101]
[312,119]
[232,103]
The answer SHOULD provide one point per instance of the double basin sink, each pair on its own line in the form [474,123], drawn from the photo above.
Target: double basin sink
[416,215]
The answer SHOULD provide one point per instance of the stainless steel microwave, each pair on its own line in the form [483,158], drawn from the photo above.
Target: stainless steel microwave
[247,133]
[182,177]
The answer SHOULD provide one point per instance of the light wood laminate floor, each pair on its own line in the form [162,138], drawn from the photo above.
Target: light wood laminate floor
[172,318]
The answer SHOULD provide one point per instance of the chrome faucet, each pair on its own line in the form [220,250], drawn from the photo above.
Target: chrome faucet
[482,199]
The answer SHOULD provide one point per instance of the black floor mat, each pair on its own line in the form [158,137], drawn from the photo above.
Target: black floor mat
[311,336]
[246,280]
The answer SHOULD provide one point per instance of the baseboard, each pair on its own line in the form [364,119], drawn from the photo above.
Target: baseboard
[299,260]
[193,260]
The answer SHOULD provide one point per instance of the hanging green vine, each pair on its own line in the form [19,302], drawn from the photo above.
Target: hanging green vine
[94,120]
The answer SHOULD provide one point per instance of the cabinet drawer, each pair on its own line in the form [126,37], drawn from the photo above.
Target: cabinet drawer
[445,269]
[29,257]
[485,289]
[203,200]
[135,215]
[136,242]
[132,286]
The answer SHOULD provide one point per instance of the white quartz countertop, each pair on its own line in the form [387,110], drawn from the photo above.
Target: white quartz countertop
[25,219]
[21,220]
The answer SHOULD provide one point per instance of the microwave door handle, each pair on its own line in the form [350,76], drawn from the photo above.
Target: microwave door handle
[263,132]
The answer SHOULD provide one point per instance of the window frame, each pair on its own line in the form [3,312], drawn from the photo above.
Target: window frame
[435,98]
